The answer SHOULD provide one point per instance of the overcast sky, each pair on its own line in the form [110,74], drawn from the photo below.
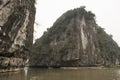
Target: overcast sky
[107,14]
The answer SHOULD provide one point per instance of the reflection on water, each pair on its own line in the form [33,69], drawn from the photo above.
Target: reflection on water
[26,71]
[62,74]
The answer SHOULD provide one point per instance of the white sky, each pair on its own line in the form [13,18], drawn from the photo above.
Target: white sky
[107,14]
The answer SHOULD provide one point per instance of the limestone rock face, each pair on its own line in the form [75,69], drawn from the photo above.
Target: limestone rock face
[16,32]
[75,40]
[71,41]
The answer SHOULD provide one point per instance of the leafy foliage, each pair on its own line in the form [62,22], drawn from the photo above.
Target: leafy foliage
[108,47]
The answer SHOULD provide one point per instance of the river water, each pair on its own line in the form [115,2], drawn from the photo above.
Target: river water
[62,74]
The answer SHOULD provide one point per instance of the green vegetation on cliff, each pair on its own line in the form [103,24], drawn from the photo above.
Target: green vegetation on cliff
[108,47]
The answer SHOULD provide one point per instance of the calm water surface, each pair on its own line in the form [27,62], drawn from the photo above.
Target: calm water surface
[62,74]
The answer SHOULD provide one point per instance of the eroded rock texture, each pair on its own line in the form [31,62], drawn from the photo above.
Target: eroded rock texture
[75,40]
[16,32]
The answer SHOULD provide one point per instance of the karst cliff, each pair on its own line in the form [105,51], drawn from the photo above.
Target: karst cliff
[16,33]
[75,40]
